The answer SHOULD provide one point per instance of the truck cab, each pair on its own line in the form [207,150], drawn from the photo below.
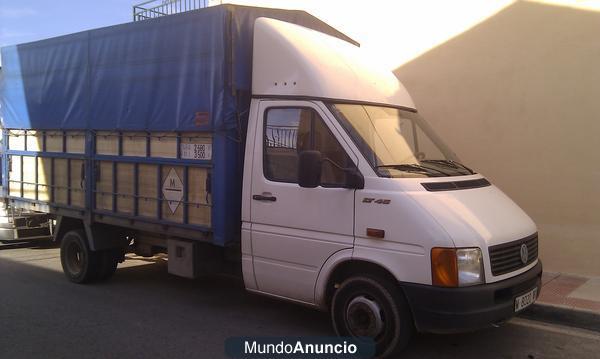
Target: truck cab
[351,203]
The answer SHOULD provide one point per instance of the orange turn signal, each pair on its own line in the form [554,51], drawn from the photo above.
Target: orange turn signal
[376,233]
[444,270]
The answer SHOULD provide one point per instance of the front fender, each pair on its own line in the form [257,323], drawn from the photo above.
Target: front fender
[325,273]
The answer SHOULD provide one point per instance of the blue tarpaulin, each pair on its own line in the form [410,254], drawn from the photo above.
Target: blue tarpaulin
[159,74]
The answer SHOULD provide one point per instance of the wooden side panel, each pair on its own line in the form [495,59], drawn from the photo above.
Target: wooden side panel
[147,179]
[125,186]
[16,140]
[77,184]
[60,180]
[198,208]
[14,174]
[75,142]
[44,178]
[134,144]
[163,144]
[54,141]
[104,186]
[172,210]
[107,143]
[29,176]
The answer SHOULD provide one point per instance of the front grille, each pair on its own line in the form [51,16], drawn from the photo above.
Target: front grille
[506,257]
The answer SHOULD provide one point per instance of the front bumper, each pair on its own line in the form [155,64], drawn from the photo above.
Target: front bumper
[449,310]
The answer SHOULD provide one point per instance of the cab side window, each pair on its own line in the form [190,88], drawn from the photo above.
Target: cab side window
[289,131]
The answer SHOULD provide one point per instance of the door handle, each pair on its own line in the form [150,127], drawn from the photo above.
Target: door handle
[260,197]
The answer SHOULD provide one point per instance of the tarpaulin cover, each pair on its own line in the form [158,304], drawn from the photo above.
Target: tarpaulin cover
[173,73]
[184,72]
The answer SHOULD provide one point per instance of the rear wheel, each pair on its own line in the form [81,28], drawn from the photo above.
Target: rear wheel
[79,263]
[366,307]
[108,263]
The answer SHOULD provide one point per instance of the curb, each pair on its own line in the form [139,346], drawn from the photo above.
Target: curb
[563,316]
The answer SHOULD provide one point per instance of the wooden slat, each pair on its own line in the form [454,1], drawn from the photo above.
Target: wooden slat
[60,180]
[54,141]
[163,144]
[147,188]
[34,141]
[75,142]
[44,168]
[14,189]
[125,185]
[29,176]
[16,140]
[107,143]
[104,198]
[198,213]
[77,184]
[134,144]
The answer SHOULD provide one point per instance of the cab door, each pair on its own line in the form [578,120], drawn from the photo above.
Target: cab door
[294,229]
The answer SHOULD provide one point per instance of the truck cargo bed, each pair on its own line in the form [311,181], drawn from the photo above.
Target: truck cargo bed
[140,124]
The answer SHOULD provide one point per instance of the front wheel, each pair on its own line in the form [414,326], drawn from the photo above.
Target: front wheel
[366,307]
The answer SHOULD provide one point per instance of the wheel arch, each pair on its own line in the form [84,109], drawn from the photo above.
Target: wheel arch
[99,236]
[341,266]
[65,224]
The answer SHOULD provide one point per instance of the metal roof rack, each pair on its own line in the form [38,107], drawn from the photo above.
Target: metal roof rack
[157,8]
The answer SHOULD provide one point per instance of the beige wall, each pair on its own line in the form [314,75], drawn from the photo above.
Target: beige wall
[513,88]
[518,98]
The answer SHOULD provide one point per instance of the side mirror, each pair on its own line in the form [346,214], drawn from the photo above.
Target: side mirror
[309,169]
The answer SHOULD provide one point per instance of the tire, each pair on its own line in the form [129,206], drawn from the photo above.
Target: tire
[109,259]
[366,307]
[79,263]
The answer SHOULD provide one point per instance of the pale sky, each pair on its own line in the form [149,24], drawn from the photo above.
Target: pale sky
[397,31]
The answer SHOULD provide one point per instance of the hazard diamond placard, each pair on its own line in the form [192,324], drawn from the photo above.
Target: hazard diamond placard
[172,190]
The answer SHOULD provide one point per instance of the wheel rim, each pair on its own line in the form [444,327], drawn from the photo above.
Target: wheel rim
[364,318]
[74,256]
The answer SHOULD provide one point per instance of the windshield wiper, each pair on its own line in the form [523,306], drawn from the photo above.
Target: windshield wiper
[410,167]
[450,163]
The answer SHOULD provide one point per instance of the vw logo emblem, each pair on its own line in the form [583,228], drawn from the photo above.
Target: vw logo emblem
[524,253]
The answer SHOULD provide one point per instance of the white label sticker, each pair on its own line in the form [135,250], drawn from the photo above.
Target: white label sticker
[195,151]
[172,190]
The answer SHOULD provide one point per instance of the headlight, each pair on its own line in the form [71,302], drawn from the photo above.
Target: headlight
[470,266]
[451,267]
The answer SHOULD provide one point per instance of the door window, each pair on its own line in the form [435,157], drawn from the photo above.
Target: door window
[289,131]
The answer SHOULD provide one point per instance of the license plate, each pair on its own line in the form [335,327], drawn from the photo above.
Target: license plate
[525,300]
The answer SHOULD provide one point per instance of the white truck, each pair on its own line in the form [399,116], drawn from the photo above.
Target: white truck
[341,198]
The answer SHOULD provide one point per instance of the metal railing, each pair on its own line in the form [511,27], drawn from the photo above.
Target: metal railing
[281,136]
[157,8]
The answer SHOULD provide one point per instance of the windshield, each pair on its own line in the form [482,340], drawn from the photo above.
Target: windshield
[397,143]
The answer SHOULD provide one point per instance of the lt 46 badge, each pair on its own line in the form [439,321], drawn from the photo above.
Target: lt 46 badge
[375,200]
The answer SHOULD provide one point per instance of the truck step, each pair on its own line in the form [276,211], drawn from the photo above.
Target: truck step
[31,220]
[32,232]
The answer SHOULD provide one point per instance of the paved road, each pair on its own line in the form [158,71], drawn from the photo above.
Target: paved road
[145,312]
